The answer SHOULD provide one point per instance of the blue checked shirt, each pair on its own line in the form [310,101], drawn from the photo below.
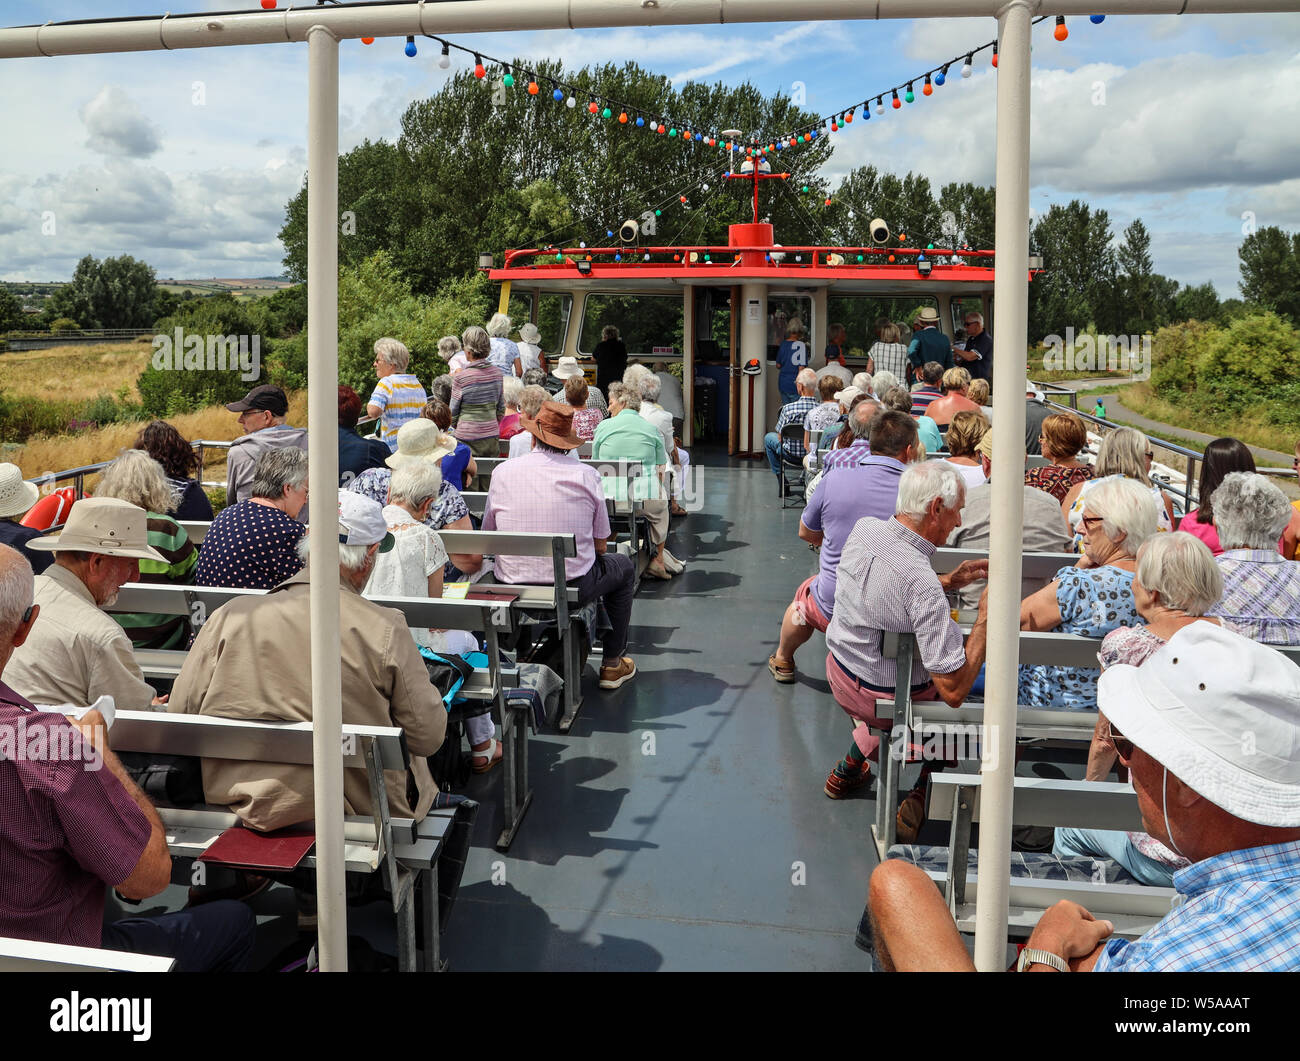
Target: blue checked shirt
[1261,595]
[1240,912]
[794,413]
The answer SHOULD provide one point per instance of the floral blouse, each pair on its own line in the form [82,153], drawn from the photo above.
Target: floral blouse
[1056,480]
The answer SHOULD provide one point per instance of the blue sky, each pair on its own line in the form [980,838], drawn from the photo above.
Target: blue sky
[1188,122]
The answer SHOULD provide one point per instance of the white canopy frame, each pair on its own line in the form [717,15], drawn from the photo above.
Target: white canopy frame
[323,27]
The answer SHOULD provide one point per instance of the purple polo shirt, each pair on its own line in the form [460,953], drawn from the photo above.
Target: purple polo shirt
[866,488]
[66,829]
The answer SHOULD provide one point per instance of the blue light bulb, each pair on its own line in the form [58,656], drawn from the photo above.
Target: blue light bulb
[608,233]
[814,134]
[1096,20]
[410,47]
[939,79]
[558,95]
[640,120]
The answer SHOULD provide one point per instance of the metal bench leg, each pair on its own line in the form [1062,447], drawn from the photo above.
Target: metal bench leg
[514,765]
[433,962]
[572,679]
[404,909]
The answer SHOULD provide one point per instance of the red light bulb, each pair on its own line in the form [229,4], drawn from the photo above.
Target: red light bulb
[1062,31]
[480,71]
[532,88]
[367,40]
[268,5]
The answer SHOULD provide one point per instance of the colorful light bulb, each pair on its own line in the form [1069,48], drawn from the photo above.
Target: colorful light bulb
[966,68]
[480,71]
[1062,30]
[410,47]
[897,104]
[927,88]
[910,96]
[444,60]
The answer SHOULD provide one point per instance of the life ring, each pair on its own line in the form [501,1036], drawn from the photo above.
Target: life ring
[51,510]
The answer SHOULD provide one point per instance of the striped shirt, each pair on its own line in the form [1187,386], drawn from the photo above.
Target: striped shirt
[149,630]
[1240,912]
[1261,595]
[477,404]
[922,398]
[795,413]
[400,398]
[885,582]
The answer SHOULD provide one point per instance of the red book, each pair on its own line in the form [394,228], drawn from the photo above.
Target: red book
[244,848]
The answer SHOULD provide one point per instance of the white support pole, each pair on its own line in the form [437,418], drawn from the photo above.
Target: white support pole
[1011,306]
[323,471]
[688,366]
[753,344]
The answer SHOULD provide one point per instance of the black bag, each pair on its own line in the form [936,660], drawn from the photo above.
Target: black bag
[549,649]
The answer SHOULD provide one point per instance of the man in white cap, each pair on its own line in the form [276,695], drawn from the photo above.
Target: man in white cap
[251,660]
[76,653]
[1209,727]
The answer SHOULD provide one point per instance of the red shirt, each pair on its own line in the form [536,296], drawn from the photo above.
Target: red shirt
[67,828]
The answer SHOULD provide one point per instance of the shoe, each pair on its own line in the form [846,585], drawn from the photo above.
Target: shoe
[674,566]
[613,677]
[490,756]
[844,779]
[785,675]
[910,817]
[676,510]
[658,570]
[244,887]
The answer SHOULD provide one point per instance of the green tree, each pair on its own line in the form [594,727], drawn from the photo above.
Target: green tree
[1200,303]
[115,293]
[1136,286]
[906,204]
[971,207]
[1077,286]
[1270,270]
[11,311]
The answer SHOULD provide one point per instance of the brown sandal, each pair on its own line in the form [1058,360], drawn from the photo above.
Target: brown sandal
[786,674]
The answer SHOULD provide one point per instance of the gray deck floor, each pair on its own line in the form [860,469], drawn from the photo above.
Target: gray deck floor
[668,828]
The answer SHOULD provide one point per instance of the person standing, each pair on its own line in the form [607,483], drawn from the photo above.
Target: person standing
[977,355]
[929,343]
[791,356]
[610,356]
[398,397]
[477,398]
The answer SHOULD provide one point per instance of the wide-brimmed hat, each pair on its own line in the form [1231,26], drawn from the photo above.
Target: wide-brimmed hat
[361,521]
[420,440]
[16,495]
[554,426]
[929,315]
[106,525]
[529,333]
[567,368]
[267,396]
[1222,713]
[846,396]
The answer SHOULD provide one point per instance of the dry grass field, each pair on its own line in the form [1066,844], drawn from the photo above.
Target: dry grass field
[75,373]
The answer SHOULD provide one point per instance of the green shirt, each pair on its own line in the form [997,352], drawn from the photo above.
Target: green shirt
[629,436]
[149,630]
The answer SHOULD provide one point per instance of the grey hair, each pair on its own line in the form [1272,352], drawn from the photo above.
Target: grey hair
[922,483]
[499,326]
[1123,452]
[863,382]
[608,333]
[476,342]
[980,317]
[860,417]
[414,483]
[448,346]
[511,387]
[794,326]
[614,392]
[1250,512]
[807,377]
[883,381]
[277,468]
[1181,568]
[17,589]
[138,478]
[534,377]
[440,388]
[900,398]
[650,387]
[633,374]
[351,557]
[1126,507]
[627,396]
[393,351]
[531,400]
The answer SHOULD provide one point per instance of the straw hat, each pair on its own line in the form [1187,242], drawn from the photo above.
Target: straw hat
[567,368]
[16,496]
[529,333]
[104,525]
[420,440]
[928,315]
[554,426]
[846,396]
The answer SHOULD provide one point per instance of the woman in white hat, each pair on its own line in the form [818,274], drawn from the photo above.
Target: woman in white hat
[530,350]
[16,497]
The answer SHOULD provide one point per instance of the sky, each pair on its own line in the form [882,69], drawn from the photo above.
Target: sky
[186,159]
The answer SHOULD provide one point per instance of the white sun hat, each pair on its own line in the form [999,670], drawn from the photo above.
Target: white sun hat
[16,495]
[1222,713]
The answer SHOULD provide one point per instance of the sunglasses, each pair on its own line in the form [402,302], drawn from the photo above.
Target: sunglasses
[1123,746]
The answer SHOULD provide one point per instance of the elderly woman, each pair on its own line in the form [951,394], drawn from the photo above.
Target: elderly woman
[477,397]
[398,397]
[888,353]
[530,350]
[511,388]
[791,356]
[1124,452]
[610,356]
[585,419]
[1061,438]
[954,385]
[440,388]
[1261,588]
[1094,597]
[819,418]
[1222,457]
[180,464]
[356,454]
[414,568]
[978,392]
[139,479]
[449,349]
[883,382]
[900,398]
[1177,582]
[964,436]
[504,352]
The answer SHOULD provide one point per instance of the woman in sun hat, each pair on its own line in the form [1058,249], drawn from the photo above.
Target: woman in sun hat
[16,497]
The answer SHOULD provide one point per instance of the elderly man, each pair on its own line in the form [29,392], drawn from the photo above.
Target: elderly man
[867,488]
[75,823]
[250,661]
[261,415]
[627,435]
[1261,588]
[885,582]
[77,653]
[929,343]
[1227,805]
[548,491]
[977,355]
[1043,529]
[792,452]
[859,423]
[398,397]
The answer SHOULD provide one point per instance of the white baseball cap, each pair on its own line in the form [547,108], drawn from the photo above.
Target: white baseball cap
[361,521]
[1222,713]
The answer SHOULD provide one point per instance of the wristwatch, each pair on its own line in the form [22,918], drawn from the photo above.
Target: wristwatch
[1030,956]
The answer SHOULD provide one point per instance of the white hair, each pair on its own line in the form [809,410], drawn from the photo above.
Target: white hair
[393,351]
[414,483]
[1250,512]
[531,400]
[138,478]
[17,588]
[1127,508]
[351,557]
[1181,568]
[511,387]
[883,381]
[863,382]
[499,326]
[807,377]
[923,482]
[650,387]
[633,374]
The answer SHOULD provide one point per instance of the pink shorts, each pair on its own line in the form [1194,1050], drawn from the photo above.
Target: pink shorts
[807,604]
[860,702]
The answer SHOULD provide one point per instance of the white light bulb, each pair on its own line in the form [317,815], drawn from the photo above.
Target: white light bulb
[444,61]
[570,103]
[966,69]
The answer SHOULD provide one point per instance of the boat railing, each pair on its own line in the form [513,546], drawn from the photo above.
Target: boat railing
[725,255]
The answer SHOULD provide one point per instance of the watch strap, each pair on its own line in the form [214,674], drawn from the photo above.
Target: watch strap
[1032,956]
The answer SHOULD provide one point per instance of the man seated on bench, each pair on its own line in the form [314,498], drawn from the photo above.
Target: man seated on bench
[75,823]
[1232,807]
[549,492]
[251,660]
[885,583]
[791,451]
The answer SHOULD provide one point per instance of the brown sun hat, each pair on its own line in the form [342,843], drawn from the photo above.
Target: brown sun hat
[554,426]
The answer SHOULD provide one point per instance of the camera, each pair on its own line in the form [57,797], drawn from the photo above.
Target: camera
[879,231]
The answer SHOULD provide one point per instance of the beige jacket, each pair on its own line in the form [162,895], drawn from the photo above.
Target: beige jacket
[252,660]
[75,653]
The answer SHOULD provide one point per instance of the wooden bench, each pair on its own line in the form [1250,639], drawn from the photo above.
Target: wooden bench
[30,956]
[955,798]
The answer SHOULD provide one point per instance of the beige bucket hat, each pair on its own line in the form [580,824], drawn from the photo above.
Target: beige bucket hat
[104,525]
[16,495]
[420,440]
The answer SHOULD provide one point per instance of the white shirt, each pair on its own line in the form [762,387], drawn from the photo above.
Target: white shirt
[973,474]
[662,420]
[670,395]
[529,356]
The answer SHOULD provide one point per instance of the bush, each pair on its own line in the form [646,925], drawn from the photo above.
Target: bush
[1175,352]
[24,418]
[63,325]
[1256,353]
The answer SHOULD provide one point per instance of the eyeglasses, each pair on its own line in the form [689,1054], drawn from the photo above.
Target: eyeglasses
[1087,522]
[1123,746]
[1149,455]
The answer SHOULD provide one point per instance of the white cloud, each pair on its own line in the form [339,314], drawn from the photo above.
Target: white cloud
[117,127]
[742,53]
